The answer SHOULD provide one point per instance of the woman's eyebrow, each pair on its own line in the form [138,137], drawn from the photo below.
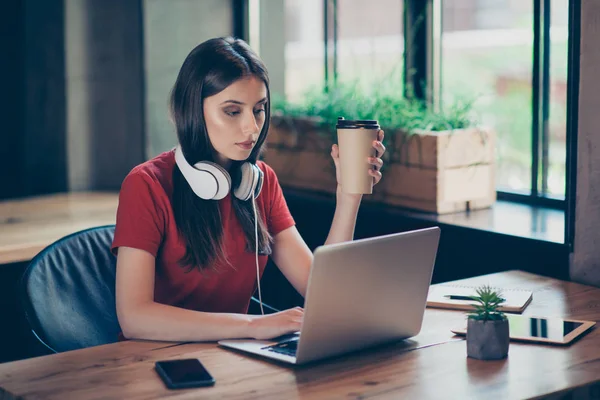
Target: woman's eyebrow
[234,102]
[241,103]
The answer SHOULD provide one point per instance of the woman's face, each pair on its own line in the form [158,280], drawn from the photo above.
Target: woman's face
[234,119]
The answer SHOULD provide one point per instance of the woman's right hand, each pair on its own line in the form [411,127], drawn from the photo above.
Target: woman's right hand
[273,325]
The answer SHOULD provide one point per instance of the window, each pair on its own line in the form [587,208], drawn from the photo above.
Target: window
[370,39]
[510,57]
[304,46]
[364,39]
[513,54]
[554,183]
[486,57]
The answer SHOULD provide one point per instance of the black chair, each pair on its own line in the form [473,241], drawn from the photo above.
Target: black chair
[68,292]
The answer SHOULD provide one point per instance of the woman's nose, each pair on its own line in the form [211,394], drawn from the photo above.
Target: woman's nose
[250,125]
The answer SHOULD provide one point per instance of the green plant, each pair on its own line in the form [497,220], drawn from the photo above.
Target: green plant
[489,301]
[382,99]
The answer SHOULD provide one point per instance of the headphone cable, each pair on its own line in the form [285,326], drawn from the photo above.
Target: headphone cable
[256,253]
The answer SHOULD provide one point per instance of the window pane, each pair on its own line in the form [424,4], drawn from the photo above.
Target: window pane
[559,10]
[370,39]
[487,51]
[304,50]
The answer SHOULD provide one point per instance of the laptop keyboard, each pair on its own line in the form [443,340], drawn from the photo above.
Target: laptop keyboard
[287,347]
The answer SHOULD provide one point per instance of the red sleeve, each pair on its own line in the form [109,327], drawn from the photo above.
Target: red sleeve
[140,219]
[279,217]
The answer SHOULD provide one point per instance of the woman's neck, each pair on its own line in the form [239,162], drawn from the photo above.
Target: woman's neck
[223,161]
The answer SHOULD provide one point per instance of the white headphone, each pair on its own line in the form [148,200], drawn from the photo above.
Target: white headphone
[210,181]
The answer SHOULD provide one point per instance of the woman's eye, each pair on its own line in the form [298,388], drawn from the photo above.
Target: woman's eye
[232,113]
[260,110]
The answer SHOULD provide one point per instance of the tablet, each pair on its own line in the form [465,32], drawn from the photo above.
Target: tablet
[541,329]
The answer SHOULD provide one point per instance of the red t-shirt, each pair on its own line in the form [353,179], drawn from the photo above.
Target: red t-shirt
[145,221]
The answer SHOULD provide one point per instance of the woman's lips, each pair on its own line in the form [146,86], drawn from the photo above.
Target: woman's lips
[246,145]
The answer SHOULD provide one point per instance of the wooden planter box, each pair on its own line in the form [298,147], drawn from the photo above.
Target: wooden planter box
[440,172]
[299,152]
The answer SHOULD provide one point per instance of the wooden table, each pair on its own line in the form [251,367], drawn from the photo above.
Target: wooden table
[28,225]
[125,370]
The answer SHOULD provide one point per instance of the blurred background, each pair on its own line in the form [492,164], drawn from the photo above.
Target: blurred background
[97,74]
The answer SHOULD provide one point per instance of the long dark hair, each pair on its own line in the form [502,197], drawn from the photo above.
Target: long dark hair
[208,69]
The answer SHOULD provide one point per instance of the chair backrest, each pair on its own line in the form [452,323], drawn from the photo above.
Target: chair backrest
[68,291]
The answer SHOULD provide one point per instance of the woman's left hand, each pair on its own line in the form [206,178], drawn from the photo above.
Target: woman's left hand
[376,161]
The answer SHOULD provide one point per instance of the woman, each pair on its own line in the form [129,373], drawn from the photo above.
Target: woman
[186,266]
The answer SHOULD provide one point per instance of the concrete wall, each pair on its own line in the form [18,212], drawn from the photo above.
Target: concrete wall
[122,58]
[105,124]
[585,260]
[171,30]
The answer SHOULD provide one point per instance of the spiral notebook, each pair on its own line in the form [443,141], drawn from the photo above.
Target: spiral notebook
[456,298]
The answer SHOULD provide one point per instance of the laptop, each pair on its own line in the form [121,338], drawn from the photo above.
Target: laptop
[360,294]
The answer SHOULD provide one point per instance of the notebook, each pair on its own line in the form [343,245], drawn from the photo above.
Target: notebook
[454,297]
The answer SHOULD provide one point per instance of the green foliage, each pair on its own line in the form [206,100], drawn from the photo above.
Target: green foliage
[488,301]
[381,100]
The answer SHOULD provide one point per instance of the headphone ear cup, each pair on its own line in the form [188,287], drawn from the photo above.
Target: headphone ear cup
[250,177]
[259,183]
[209,181]
[221,176]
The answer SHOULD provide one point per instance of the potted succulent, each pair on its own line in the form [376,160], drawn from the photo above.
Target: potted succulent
[487,328]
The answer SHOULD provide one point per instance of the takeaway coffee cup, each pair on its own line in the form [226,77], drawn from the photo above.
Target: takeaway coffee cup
[355,141]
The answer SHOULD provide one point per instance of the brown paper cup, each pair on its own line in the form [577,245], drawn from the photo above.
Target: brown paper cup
[356,146]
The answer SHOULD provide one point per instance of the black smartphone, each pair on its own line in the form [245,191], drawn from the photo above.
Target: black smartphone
[186,373]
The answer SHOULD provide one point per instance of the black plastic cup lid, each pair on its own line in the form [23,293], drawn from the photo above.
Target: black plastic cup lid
[356,124]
